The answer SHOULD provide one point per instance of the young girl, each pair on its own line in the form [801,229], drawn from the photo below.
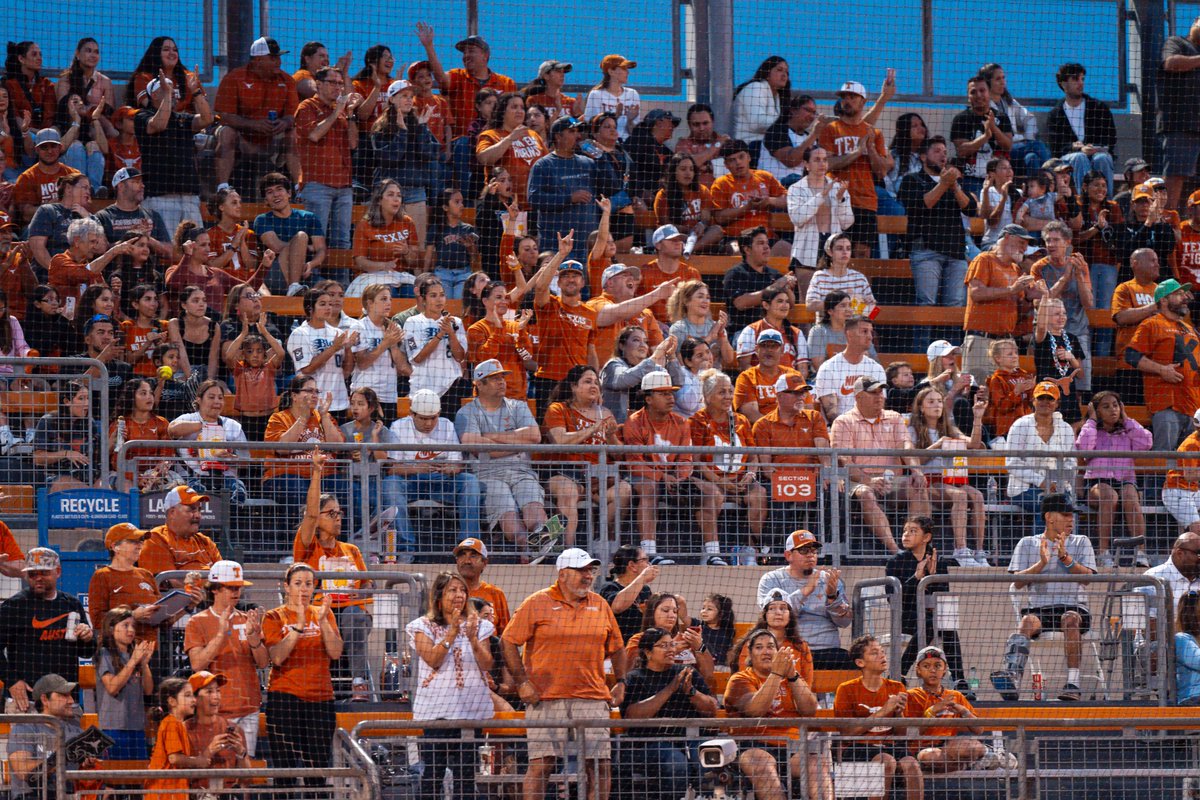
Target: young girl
[136,420]
[835,275]
[123,669]
[719,625]
[451,244]
[143,330]
[254,358]
[932,428]
[12,338]
[368,424]
[378,354]
[918,558]
[690,311]
[1009,388]
[436,346]
[1112,481]
[1057,355]
[319,348]
[196,333]
[172,396]
[997,199]
[172,747]
[231,244]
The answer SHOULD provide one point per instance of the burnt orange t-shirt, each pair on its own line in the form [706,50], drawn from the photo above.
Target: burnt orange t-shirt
[753,386]
[1187,254]
[494,595]
[219,241]
[801,658]
[1176,479]
[748,682]
[461,94]
[247,95]
[164,551]
[9,549]
[135,344]
[1005,404]
[300,462]
[36,187]
[70,278]
[122,154]
[18,282]
[518,160]
[439,118]
[920,701]
[653,277]
[997,317]
[807,426]
[1128,295]
[509,345]
[855,701]
[565,643]
[729,192]
[341,557]
[840,138]
[693,206]
[235,660]
[596,267]
[110,588]
[555,106]
[326,160]
[367,114]
[376,243]
[171,739]
[564,335]
[706,431]
[155,428]
[255,395]
[305,673]
[606,337]
[562,415]
[1170,342]
[41,94]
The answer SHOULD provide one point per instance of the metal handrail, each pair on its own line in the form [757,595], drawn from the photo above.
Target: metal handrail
[60,741]
[355,751]
[1161,599]
[894,591]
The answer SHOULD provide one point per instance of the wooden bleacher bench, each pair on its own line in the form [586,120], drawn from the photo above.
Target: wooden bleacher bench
[17,499]
[29,403]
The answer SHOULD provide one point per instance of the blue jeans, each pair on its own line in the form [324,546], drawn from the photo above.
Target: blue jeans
[333,208]
[1027,156]
[91,164]
[355,624]
[669,765]
[289,492]
[1104,284]
[937,280]
[460,491]
[1081,164]
[453,281]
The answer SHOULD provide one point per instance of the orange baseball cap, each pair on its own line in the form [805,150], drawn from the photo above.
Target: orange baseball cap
[791,382]
[612,61]
[6,221]
[183,496]
[1047,389]
[204,678]
[1143,192]
[123,532]
[797,539]
[1194,198]
[473,544]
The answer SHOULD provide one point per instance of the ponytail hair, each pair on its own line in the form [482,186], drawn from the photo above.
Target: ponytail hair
[168,690]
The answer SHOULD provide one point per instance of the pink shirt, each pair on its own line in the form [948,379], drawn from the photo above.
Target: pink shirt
[852,431]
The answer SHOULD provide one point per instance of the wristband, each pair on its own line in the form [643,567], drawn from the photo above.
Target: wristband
[793,679]
[1069,565]
[777,674]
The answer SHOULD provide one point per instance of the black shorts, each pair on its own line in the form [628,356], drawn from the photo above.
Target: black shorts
[1114,484]
[865,229]
[869,751]
[1051,617]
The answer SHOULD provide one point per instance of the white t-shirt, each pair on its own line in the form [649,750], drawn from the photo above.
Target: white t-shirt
[305,344]
[440,369]
[380,375]
[773,165]
[442,434]
[1075,117]
[992,234]
[602,100]
[458,688]
[224,430]
[836,376]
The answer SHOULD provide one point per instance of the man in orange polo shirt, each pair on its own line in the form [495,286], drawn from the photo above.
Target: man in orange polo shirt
[792,423]
[754,391]
[620,306]
[460,85]
[668,266]
[471,559]
[995,286]
[567,631]
[178,544]
[326,134]
[256,105]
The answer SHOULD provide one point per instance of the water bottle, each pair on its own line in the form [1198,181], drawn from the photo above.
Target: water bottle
[690,245]
[391,677]
[72,621]
[973,679]
[272,116]
[405,677]
[889,479]
[591,149]
[993,491]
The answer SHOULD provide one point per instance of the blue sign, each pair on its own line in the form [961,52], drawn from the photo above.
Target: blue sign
[82,508]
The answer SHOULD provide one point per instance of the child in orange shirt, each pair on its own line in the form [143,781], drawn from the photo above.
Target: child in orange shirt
[1010,388]
[172,747]
[254,367]
[950,749]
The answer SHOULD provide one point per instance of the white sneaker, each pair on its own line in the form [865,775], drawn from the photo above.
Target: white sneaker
[747,556]
[1106,560]
[964,557]
[989,760]
[1141,559]
[983,558]
[295,289]
[1008,761]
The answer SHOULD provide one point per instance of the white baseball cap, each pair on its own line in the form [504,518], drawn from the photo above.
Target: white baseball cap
[575,558]
[227,573]
[425,402]
[939,348]
[397,86]
[852,88]
[619,269]
[664,232]
[658,381]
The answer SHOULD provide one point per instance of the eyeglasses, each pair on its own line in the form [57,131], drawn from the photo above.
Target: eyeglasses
[808,551]
[1189,550]
[666,644]
[335,83]
[333,513]
[590,570]
[251,295]
[308,391]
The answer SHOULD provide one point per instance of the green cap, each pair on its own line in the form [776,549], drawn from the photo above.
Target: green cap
[1170,287]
